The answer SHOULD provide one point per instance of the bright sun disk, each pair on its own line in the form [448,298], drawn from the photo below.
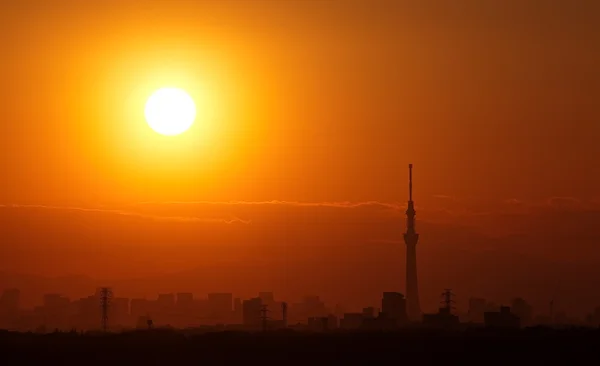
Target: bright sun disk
[170,111]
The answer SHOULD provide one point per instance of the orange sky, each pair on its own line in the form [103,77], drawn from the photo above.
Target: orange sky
[309,100]
[495,102]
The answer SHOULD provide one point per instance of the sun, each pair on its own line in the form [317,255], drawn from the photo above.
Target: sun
[170,111]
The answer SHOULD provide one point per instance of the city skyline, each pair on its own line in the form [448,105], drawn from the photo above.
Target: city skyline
[247,145]
[265,311]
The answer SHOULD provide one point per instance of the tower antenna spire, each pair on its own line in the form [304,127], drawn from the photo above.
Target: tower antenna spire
[410,182]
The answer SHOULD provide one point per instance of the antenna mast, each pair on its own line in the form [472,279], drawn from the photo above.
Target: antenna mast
[410,182]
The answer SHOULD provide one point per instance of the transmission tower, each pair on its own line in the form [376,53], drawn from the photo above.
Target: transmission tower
[447,300]
[264,310]
[106,295]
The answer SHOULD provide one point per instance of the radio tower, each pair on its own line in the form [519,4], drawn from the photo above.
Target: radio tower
[105,300]
[411,238]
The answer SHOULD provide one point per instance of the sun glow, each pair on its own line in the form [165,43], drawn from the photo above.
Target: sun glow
[170,111]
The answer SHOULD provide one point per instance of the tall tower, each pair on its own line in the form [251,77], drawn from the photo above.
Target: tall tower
[413,308]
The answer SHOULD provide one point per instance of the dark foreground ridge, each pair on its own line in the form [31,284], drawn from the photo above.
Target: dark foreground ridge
[482,346]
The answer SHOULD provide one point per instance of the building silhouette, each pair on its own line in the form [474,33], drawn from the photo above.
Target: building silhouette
[119,312]
[252,313]
[352,321]
[319,324]
[523,310]
[477,307]
[238,313]
[410,239]
[220,306]
[9,308]
[59,313]
[502,319]
[393,307]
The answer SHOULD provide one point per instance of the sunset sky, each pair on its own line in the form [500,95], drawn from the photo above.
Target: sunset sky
[305,110]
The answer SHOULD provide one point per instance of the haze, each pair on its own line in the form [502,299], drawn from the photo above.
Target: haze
[312,110]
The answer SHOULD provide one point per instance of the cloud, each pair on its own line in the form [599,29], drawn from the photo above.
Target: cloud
[447,209]
[514,202]
[564,202]
[445,197]
[231,220]
[340,204]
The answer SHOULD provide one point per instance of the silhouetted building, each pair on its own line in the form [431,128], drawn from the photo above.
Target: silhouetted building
[275,309]
[491,307]
[185,300]
[332,322]
[410,239]
[351,321]
[544,320]
[252,313]
[443,319]
[119,311]
[267,298]
[381,322]
[88,313]
[9,308]
[144,322]
[318,324]
[314,307]
[393,307]
[165,302]
[56,311]
[523,310]
[185,309]
[368,313]
[238,312]
[476,310]
[164,309]
[501,319]
[220,307]
[141,307]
